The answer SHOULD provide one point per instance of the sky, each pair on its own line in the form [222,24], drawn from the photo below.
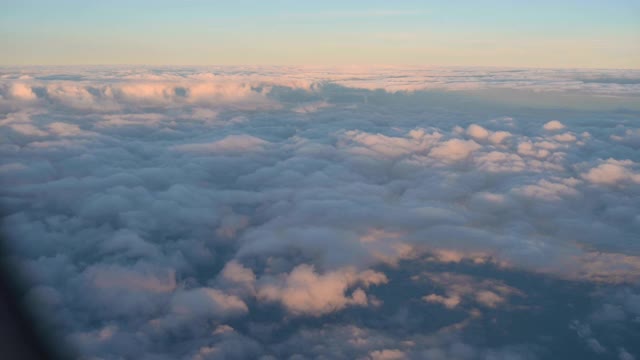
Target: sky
[591,34]
[367,180]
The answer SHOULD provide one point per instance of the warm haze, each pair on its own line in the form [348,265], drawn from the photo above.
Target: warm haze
[592,34]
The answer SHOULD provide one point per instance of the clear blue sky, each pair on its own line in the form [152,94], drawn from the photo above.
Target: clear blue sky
[539,33]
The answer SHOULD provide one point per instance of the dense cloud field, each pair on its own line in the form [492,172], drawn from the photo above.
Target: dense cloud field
[316,213]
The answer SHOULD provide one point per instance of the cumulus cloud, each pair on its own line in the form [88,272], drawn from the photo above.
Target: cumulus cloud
[415,141]
[499,137]
[477,132]
[454,149]
[487,293]
[553,125]
[387,354]
[344,213]
[303,291]
[239,277]
[21,91]
[566,137]
[612,172]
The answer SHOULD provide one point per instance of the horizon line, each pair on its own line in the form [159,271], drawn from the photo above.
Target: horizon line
[318,66]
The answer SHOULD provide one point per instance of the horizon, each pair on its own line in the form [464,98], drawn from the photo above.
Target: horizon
[318,66]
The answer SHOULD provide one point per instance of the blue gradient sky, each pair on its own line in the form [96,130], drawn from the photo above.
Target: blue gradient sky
[196,32]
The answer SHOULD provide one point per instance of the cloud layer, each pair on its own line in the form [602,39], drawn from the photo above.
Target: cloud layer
[373,213]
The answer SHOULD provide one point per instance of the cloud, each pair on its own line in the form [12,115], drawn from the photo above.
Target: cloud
[566,137]
[549,190]
[458,288]
[387,354]
[28,130]
[477,132]
[22,91]
[612,172]
[123,278]
[241,279]
[624,355]
[205,302]
[553,125]
[454,150]
[498,137]
[64,129]
[229,144]
[631,137]
[450,302]
[585,333]
[304,292]
[311,107]
[324,212]
[415,141]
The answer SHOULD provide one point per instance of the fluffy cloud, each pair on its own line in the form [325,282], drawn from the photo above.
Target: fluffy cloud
[477,132]
[454,149]
[487,293]
[377,144]
[21,91]
[303,291]
[344,213]
[612,172]
[239,279]
[553,125]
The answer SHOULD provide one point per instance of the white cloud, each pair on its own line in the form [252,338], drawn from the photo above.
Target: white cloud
[22,91]
[304,292]
[496,161]
[612,172]
[449,301]
[454,150]
[416,141]
[566,137]
[477,132]
[498,137]
[554,125]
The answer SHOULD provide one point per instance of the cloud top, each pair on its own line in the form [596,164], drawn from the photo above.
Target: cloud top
[343,213]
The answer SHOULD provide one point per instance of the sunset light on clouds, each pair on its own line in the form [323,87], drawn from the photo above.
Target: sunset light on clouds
[345,180]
